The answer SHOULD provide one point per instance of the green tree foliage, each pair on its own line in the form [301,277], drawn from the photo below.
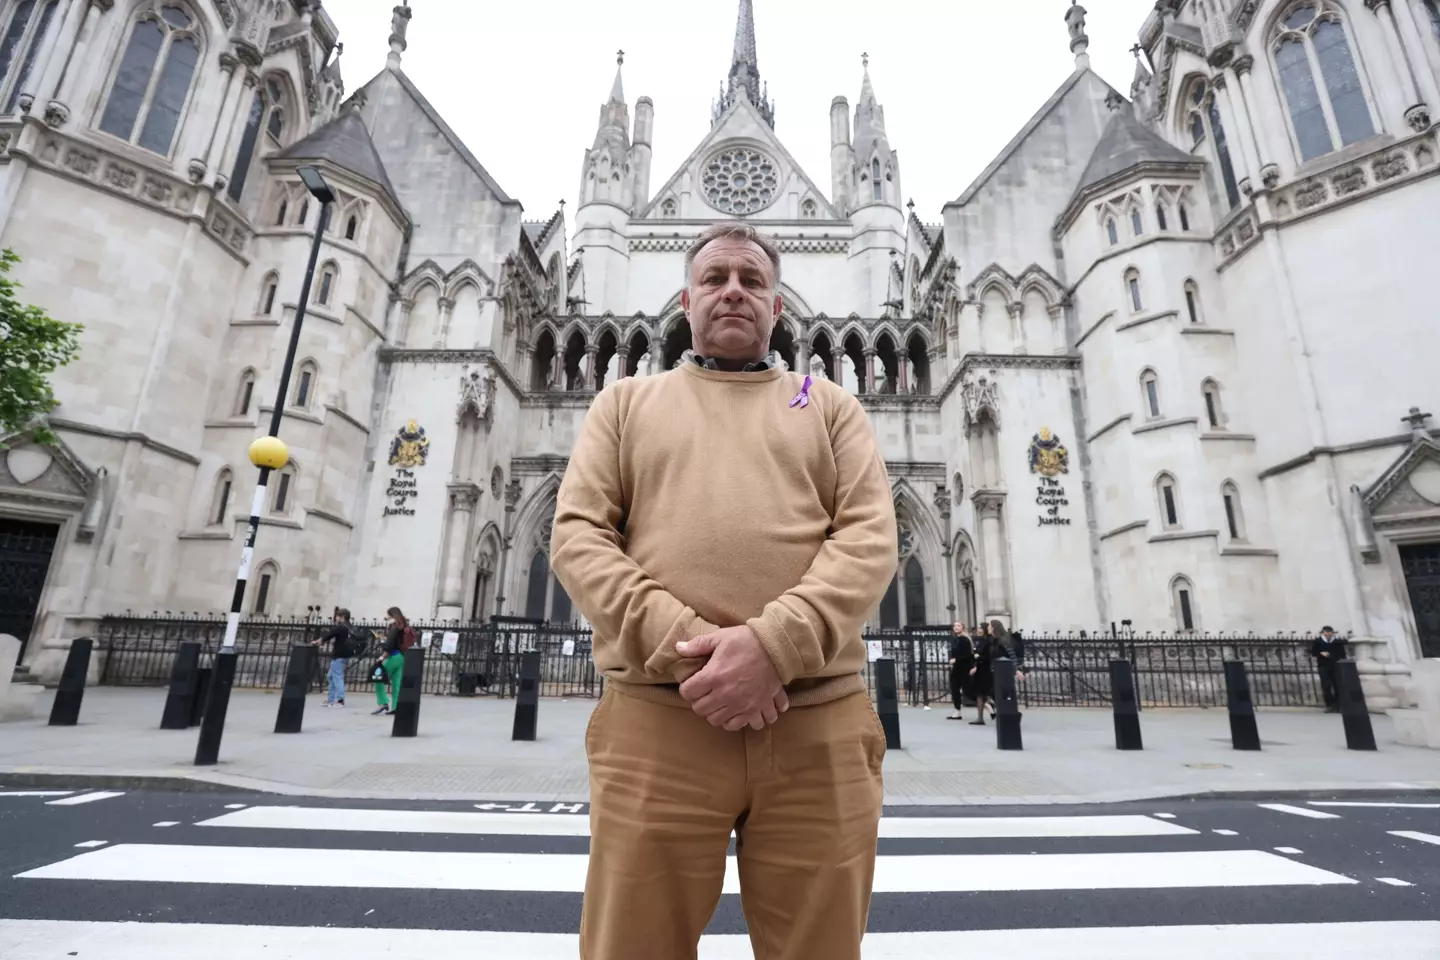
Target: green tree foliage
[33,345]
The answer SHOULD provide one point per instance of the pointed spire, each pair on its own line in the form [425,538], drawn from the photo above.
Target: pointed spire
[617,92]
[1079,40]
[869,115]
[399,24]
[745,70]
[867,89]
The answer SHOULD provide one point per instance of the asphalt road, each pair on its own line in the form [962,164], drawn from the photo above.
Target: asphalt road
[270,862]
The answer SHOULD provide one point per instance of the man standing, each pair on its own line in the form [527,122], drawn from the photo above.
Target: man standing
[727,528]
[1329,650]
[341,649]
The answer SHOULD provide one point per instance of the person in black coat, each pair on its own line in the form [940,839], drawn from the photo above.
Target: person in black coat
[982,680]
[1328,650]
[962,658]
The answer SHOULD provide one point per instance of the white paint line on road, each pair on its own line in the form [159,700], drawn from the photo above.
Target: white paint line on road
[565,873]
[35,793]
[1166,816]
[46,939]
[166,823]
[1393,882]
[565,825]
[235,806]
[1415,835]
[87,798]
[1367,803]
[91,844]
[1293,851]
[1226,833]
[1299,811]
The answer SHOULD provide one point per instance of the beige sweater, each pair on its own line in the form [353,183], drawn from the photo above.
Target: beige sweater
[697,498]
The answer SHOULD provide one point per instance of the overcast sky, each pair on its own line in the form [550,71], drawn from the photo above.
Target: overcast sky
[522,83]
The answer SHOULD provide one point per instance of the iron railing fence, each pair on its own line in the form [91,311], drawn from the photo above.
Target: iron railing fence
[1070,669]
[484,659]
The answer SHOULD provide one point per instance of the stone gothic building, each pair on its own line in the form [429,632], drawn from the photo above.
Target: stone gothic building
[1153,365]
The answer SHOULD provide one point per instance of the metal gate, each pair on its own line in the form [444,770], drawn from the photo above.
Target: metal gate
[25,550]
[1421,563]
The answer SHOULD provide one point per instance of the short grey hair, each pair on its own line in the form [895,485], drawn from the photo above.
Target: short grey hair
[739,230]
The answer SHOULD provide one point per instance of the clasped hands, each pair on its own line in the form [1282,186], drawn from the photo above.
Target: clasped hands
[737,687]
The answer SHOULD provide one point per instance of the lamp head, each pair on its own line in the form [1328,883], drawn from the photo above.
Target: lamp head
[316,184]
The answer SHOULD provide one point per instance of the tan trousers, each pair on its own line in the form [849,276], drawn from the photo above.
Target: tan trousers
[666,789]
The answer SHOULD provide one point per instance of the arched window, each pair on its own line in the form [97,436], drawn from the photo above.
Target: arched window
[1192,301]
[268,288]
[282,493]
[304,212]
[1182,604]
[1150,394]
[876,187]
[352,226]
[154,76]
[1214,413]
[1184,217]
[1132,289]
[305,385]
[282,213]
[1234,518]
[1320,78]
[329,274]
[904,602]
[1136,224]
[247,392]
[1168,498]
[1112,232]
[1205,124]
[809,210]
[267,577]
[667,209]
[267,112]
[1432,9]
[543,592]
[19,45]
[1160,219]
[220,502]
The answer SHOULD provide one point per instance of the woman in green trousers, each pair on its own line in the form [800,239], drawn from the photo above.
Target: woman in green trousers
[392,662]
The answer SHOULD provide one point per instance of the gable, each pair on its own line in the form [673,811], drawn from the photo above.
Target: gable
[1409,487]
[740,148]
[36,471]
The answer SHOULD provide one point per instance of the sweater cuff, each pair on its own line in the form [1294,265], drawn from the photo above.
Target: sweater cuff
[778,647]
[666,662]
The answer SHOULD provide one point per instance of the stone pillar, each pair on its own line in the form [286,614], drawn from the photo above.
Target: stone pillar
[622,368]
[512,497]
[235,130]
[447,310]
[1411,60]
[61,33]
[557,370]
[1234,97]
[867,373]
[592,375]
[73,65]
[837,363]
[225,119]
[463,497]
[1429,52]
[942,506]
[991,506]
[1244,177]
[1269,126]
[404,332]
[902,361]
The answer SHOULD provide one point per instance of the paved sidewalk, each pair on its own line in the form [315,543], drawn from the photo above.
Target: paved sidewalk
[464,752]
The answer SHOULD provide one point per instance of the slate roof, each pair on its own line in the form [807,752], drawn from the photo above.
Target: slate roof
[346,143]
[1126,143]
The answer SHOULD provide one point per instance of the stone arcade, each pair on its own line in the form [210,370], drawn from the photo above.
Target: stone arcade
[1152,365]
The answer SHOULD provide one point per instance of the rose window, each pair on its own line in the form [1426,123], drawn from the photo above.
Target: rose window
[740,180]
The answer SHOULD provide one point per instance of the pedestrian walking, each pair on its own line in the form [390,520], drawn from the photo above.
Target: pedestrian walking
[727,527]
[398,638]
[1328,650]
[982,679]
[342,648]
[962,658]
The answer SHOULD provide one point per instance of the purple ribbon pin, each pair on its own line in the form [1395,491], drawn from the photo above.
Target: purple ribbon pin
[802,399]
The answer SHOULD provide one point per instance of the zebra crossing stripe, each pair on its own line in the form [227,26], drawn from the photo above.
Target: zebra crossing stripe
[565,825]
[44,939]
[565,873]
[87,798]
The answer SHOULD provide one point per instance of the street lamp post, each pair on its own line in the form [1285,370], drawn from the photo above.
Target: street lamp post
[269,454]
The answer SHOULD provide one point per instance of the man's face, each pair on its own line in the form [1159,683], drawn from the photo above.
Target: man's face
[1327,634]
[731,300]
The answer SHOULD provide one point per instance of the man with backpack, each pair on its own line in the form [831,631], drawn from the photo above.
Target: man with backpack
[342,648]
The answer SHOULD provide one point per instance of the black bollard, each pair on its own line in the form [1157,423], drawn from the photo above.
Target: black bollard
[887,701]
[1244,735]
[1007,707]
[65,711]
[291,715]
[202,694]
[1359,734]
[407,698]
[1126,704]
[527,698]
[217,704]
[184,682]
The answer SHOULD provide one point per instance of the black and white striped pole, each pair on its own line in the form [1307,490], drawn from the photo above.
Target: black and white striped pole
[269,454]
